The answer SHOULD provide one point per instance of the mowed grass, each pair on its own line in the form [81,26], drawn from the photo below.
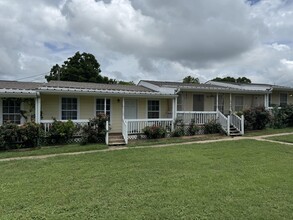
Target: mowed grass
[282,138]
[51,150]
[243,179]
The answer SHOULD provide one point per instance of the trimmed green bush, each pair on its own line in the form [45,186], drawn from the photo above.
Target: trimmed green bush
[192,128]
[179,129]
[212,127]
[256,118]
[30,133]
[95,131]
[60,132]
[155,132]
[14,136]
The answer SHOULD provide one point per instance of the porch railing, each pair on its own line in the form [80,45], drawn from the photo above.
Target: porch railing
[237,122]
[125,131]
[136,126]
[224,122]
[200,118]
[48,123]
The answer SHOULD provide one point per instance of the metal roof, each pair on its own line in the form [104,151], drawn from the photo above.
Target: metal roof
[202,87]
[19,85]
[95,86]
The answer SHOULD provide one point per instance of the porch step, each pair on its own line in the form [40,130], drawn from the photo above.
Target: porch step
[116,139]
[234,131]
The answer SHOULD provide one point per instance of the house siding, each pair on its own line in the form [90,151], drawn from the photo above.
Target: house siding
[50,107]
[87,107]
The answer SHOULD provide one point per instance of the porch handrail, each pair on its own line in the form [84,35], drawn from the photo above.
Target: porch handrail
[47,123]
[125,131]
[224,122]
[238,122]
[136,126]
[107,133]
[200,117]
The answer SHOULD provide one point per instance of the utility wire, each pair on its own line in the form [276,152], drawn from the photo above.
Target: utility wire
[39,75]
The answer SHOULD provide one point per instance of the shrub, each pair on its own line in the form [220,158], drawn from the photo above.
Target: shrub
[155,132]
[9,136]
[30,133]
[60,132]
[192,128]
[95,131]
[178,129]
[212,127]
[14,136]
[256,118]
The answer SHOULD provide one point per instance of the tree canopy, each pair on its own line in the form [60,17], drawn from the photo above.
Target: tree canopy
[80,68]
[190,79]
[232,79]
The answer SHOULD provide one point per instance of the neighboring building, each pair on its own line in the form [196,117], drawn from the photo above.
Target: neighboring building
[132,107]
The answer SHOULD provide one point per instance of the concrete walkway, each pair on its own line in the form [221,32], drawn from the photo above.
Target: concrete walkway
[258,138]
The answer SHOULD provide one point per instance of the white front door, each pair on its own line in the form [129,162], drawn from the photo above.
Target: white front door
[130,111]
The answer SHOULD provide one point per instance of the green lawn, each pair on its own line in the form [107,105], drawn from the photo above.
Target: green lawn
[267,132]
[51,150]
[282,138]
[243,179]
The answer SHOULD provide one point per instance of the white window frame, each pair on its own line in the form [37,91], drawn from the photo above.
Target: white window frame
[78,107]
[2,113]
[105,105]
[283,103]
[147,108]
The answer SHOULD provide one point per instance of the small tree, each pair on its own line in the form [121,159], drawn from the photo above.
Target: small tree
[190,79]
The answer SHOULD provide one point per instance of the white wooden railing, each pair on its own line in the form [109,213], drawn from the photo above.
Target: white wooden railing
[200,118]
[48,123]
[136,126]
[237,122]
[224,122]
[107,133]
[125,131]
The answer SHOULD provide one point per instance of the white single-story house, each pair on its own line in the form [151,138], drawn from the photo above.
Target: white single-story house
[132,107]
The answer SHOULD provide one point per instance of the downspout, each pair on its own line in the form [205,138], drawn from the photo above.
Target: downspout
[38,108]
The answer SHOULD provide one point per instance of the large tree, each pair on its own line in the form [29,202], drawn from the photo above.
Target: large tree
[190,79]
[79,68]
[232,79]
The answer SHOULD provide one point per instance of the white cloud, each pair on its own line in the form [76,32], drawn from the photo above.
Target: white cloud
[164,40]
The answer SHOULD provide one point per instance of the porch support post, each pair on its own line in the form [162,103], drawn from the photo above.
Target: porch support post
[174,112]
[266,101]
[230,104]
[123,109]
[38,108]
[217,108]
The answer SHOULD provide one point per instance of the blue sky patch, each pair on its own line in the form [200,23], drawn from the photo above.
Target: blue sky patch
[57,47]
[252,2]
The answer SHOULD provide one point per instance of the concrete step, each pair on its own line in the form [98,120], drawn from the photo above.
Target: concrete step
[116,139]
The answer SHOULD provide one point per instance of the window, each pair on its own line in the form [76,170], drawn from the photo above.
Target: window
[238,103]
[153,109]
[220,103]
[69,109]
[179,102]
[283,99]
[103,106]
[11,111]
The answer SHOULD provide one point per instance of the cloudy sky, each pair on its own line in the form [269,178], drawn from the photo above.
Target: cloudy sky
[150,39]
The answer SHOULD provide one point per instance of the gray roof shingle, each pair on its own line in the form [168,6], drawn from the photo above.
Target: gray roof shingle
[95,86]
